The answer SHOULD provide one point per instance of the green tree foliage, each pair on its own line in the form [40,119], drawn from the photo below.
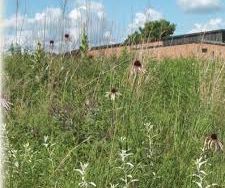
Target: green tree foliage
[152,31]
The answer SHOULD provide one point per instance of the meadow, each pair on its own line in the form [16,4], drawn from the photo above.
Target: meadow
[101,122]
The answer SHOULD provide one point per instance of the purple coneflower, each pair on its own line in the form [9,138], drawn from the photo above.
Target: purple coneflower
[51,42]
[5,104]
[213,143]
[67,36]
[113,94]
[137,67]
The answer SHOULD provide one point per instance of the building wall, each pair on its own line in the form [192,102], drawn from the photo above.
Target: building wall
[159,51]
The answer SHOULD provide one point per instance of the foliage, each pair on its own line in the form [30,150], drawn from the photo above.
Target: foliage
[60,117]
[152,31]
[39,53]
[84,44]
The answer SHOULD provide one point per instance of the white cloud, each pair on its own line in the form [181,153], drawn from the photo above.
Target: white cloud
[200,5]
[12,21]
[109,37]
[90,16]
[25,30]
[142,17]
[49,25]
[48,15]
[74,14]
[212,24]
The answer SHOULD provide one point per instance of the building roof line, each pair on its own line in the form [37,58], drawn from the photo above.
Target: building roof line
[168,38]
[196,33]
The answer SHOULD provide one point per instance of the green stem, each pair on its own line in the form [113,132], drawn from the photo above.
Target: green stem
[129,109]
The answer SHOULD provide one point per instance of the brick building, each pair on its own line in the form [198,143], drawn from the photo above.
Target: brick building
[209,44]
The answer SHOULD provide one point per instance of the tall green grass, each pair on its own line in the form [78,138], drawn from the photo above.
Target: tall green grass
[61,117]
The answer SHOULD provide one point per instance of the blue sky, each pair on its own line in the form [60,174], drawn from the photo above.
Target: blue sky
[120,16]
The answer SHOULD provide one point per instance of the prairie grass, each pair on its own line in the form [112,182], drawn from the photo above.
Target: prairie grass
[61,118]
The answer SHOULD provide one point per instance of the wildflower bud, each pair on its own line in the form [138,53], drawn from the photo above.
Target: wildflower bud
[137,67]
[67,36]
[51,42]
[137,64]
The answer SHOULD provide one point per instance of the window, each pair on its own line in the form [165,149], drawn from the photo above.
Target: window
[204,50]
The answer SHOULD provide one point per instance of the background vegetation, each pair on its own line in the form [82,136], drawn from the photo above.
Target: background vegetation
[150,136]
[151,32]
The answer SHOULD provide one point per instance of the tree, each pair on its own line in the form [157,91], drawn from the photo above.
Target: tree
[152,31]
[84,44]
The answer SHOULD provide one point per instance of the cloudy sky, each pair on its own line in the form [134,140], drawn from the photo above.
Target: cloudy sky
[106,21]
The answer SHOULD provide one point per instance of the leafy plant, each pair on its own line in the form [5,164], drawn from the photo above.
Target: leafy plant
[84,44]
[152,31]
